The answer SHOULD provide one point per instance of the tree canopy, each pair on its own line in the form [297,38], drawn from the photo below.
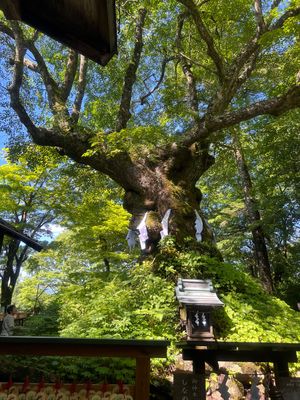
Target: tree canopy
[189,77]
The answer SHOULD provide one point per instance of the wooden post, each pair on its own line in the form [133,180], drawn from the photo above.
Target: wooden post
[142,378]
[199,369]
[281,370]
[1,240]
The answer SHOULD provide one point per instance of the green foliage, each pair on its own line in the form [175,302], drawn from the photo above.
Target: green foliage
[139,140]
[43,323]
[119,306]
[68,369]
[270,148]
[250,313]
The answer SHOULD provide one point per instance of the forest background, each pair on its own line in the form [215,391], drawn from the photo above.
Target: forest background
[201,106]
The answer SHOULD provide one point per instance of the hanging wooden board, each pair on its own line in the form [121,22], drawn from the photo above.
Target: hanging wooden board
[87,26]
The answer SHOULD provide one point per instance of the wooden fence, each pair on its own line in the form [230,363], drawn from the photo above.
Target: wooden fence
[140,350]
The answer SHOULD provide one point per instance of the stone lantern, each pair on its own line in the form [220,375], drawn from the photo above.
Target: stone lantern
[197,299]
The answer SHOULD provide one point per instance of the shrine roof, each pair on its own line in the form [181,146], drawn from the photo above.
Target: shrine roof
[197,292]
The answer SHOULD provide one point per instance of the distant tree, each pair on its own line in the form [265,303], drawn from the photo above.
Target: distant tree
[28,194]
[262,193]
[262,262]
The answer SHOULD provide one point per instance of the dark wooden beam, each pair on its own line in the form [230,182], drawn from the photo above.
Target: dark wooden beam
[212,356]
[87,26]
[49,346]
[9,230]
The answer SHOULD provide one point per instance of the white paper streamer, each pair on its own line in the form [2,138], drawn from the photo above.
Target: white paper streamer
[131,239]
[198,227]
[142,228]
[165,224]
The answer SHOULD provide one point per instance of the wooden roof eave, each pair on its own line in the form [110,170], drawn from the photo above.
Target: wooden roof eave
[87,26]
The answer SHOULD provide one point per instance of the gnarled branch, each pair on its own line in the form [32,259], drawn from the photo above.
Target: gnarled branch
[83,67]
[288,14]
[159,81]
[274,106]
[206,37]
[259,16]
[130,76]
[186,68]
[70,73]
[50,84]
[16,84]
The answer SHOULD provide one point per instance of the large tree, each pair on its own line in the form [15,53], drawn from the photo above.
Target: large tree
[186,71]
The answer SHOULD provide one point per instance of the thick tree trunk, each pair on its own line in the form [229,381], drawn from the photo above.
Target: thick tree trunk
[253,214]
[6,291]
[170,185]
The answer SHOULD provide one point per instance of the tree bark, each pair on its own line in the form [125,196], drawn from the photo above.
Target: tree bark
[254,218]
[8,276]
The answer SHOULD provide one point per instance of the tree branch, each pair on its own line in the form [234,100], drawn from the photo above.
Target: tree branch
[83,67]
[275,106]
[244,63]
[162,74]
[259,16]
[130,76]
[50,84]
[206,37]
[31,65]
[275,4]
[15,86]
[186,68]
[288,14]
[70,73]
[5,29]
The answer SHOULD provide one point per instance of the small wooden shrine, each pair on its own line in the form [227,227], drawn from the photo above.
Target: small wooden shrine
[87,26]
[197,299]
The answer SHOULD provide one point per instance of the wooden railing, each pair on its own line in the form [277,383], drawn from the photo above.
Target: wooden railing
[140,350]
[211,352]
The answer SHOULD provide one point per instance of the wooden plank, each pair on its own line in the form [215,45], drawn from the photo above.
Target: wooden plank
[212,356]
[82,347]
[142,378]
[193,344]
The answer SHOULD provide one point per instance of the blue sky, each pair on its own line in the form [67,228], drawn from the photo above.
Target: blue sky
[2,145]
